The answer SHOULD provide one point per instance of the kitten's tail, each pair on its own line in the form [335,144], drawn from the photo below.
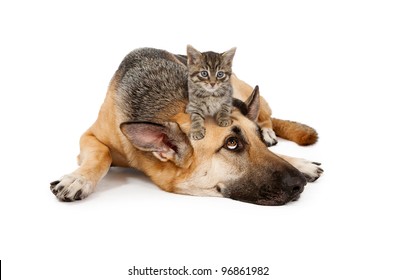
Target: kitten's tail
[297,132]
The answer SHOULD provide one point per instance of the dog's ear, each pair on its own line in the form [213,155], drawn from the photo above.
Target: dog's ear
[253,104]
[166,141]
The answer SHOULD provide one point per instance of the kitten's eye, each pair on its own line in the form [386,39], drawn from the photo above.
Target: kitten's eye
[204,74]
[232,144]
[220,74]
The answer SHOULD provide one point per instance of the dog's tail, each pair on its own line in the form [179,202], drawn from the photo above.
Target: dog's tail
[297,132]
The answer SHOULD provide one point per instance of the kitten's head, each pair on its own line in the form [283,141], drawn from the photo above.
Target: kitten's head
[209,70]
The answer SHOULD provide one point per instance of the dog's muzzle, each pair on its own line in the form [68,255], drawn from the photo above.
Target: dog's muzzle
[279,189]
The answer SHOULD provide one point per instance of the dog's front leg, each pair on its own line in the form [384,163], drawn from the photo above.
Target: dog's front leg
[242,91]
[310,169]
[95,160]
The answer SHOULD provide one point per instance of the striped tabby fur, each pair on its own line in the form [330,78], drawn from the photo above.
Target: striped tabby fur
[209,88]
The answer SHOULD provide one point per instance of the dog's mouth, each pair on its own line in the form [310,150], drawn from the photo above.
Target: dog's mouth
[265,198]
[277,199]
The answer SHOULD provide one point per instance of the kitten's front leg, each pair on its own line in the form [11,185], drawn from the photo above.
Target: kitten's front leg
[197,131]
[223,117]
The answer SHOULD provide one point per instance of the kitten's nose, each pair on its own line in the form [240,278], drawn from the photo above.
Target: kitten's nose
[212,84]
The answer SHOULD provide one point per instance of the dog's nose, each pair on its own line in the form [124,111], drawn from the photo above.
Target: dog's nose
[294,183]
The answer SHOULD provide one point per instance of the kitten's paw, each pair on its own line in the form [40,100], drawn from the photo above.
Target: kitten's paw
[269,136]
[224,122]
[71,187]
[197,134]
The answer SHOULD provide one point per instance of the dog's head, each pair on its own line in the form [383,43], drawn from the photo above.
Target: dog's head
[231,162]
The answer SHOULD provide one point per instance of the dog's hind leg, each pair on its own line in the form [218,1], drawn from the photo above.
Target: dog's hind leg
[95,160]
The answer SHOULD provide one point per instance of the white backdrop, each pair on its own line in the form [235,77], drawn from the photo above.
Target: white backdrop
[329,64]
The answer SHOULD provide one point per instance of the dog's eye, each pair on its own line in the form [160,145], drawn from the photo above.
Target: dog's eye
[232,144]
[204,73]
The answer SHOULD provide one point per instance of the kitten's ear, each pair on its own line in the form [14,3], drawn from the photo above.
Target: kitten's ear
[253,105]
[193,56]
[167,142]
[228,56]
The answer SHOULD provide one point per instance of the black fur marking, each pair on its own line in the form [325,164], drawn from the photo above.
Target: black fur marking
[239,104]
[236,130]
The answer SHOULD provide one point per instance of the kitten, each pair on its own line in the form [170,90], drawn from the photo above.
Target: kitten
[209,88]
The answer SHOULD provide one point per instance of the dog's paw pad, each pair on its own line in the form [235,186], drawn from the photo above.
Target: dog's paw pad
[269,136]
[71,187]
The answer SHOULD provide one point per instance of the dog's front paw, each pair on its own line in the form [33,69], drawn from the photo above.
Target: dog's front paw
[311,170]
[197,134]
[269,137]
[72,187]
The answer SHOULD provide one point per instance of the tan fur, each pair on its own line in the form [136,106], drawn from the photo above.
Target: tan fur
[205,172]
[209,168]
[242,91]
[124,154]
[296,132]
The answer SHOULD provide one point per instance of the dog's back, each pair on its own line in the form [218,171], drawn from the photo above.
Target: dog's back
[152,85]
[142,124]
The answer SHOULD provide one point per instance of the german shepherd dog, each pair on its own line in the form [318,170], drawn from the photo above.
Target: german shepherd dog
[142,124]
